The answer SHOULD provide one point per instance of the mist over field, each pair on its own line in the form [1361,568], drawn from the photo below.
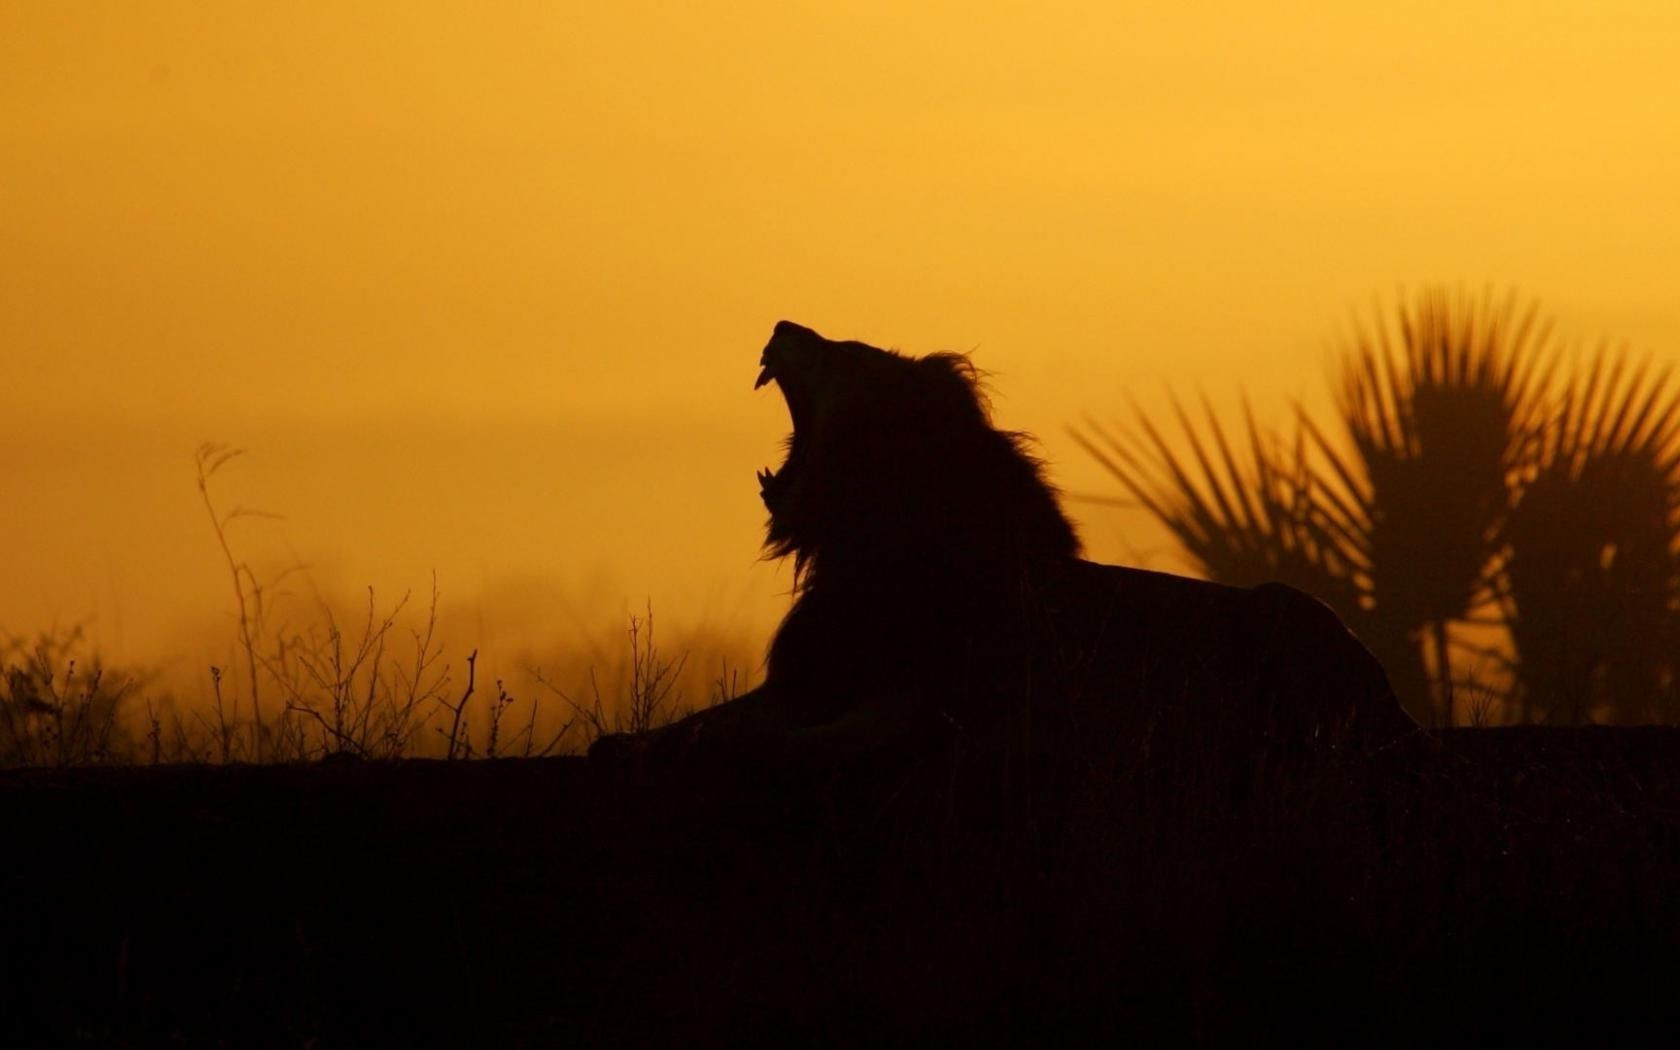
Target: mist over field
[539,543]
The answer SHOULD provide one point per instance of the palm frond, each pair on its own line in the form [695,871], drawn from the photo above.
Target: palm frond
[1436,413]
[1242,518]
[1591,575]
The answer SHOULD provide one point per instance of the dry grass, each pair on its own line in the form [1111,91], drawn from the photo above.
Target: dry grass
[308,677]
[60,706]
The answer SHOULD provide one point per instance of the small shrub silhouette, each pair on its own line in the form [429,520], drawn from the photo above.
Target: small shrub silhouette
[59,705]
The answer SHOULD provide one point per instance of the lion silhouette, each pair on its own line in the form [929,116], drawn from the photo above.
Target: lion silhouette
[939,588]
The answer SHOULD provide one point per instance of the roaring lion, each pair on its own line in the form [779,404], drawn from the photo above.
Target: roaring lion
[939,587]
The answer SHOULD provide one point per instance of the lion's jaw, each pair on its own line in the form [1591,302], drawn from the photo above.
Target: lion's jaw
[786,360]
[818,378]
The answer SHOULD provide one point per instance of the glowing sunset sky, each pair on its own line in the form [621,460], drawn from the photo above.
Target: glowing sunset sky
[482,287]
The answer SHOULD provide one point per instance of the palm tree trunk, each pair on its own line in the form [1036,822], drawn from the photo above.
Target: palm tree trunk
[1443,668]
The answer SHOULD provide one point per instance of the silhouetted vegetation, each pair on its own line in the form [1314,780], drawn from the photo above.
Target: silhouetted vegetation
[343,693]
[1480,479]
[309,678]
[59,705]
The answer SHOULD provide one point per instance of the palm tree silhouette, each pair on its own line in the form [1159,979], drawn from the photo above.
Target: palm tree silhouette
[1460,490]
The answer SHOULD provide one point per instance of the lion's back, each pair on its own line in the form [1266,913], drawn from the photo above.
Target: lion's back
[1255,665]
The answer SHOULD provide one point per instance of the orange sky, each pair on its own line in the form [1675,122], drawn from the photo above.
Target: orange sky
[482,288]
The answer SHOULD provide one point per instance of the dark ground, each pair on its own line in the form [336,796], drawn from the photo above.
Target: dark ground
[1484,885]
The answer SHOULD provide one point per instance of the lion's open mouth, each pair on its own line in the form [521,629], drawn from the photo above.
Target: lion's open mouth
[771,483]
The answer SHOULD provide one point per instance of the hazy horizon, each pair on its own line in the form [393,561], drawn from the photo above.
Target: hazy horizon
[484,296]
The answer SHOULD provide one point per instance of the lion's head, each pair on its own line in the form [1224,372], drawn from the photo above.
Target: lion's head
[894,468]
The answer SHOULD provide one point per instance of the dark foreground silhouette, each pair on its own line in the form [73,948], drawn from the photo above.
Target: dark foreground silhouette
[1507,883]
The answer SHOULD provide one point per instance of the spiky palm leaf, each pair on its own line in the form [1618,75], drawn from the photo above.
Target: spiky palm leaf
[1437,426]
[1242,521]
[1437,414]
[1591,573]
